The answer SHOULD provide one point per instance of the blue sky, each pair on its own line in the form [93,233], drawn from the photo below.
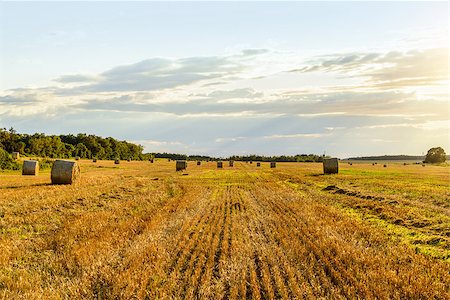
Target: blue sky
[347,78]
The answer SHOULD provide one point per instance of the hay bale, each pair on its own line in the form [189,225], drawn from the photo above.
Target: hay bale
[373,164]
[219,165]
[15,155]
[181,165]
[77,158]
[273,165]
[231,163]
[258,164]
[129,159]
[199,163]
[384,166]
[94,160]
[117,161]
[151,160]
[330,166]
[30,167]
[65,172]
[251,162]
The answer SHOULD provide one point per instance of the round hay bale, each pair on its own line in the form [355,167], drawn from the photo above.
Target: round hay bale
[330,166]
[151,160]
[384,166]
[231,163]
[30,167]
[219,165]
[77,158]
[258,164]
[180,165]
[199,163]
[65,172]
[94,160]
[117,161]
[15,155]
[273,165]
[251,162]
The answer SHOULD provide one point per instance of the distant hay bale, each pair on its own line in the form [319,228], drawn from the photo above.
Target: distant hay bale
[251,162]
[373,164]
[181,165]
[273,165]
[404,164]
[199,163]
[151,160]
[219,165]
[15,155]
[423,165]
[231,163]
[129,159]
[77,158]
[30,167]
[384,166]
[330,166]
[117,161]
[94,160]
[258,164]
[351,164]
[65,172]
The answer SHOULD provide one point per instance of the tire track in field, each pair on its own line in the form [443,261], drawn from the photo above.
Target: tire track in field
[278,245]
[324,260]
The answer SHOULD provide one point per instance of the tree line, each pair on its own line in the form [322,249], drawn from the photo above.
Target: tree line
[66,146]
[253,157]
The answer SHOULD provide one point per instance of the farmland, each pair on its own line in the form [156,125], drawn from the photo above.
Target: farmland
[143,230]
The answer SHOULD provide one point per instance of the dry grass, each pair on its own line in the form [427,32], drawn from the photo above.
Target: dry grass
[142,230]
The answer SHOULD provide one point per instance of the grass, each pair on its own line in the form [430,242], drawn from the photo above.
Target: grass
[141,230]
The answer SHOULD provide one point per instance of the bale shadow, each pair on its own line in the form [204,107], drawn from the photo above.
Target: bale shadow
[22,186]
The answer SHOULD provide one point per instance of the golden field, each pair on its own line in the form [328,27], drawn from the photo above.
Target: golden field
[139,230]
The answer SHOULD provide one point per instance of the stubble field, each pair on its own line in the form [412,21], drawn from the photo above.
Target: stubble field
[141,230]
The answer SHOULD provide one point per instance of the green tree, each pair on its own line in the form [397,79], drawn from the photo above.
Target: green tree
[436,155]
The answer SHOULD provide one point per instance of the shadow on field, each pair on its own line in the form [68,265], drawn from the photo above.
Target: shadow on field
[22,186]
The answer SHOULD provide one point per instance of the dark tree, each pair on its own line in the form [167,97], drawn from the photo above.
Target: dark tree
[435,155]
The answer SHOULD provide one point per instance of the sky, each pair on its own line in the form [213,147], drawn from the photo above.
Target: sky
[223,78]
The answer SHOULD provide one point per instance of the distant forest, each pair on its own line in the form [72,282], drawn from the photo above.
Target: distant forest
[90,146]
[65,146]
[392,157]
[282,158]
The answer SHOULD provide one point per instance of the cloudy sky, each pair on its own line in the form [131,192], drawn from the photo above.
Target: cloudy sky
[355,78]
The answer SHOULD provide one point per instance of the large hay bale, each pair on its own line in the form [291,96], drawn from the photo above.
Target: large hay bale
[231,163]
[181,165]
[258,164]
[330,166]
[199,163]
[117,162]
[65,172]
[273,165]
[30,167]
[219,165]
[15,155]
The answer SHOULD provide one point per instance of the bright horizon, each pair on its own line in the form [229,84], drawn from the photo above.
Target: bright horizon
[220,79]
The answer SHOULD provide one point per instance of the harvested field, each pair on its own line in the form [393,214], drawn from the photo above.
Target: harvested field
[144,231]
